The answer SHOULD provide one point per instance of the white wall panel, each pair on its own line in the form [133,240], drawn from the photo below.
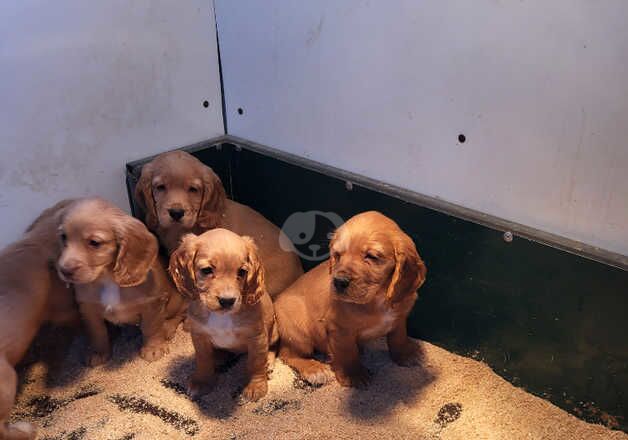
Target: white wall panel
[384,88]
[86,86]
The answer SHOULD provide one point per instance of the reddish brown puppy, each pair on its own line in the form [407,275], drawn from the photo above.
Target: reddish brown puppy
[179,195]
[366,290]
[111,259]
[230,309]
[31,293]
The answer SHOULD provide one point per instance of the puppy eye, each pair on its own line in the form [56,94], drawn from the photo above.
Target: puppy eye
[160,187]
[95,244]
[63,237]
[193,190]
[242,272]
[371,257]
[207,270]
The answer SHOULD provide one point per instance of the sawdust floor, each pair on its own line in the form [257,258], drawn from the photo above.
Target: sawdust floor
[449,397]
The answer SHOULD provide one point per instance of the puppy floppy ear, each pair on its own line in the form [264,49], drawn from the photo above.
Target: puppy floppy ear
[213,202]
[254,284]
[181,267]
[137,251]
[410,271]
[144,196]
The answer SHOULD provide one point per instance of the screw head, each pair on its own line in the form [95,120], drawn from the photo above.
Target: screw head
[508,236]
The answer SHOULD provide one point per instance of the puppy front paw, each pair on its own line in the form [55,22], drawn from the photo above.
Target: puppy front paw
[355,378]
[96,358]
[408,356]
[199,385]
[153,352]
[317,374]
[18,430]
[255,390]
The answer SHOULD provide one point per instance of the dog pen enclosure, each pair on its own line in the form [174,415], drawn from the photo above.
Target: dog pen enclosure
[493,133]
[540,312]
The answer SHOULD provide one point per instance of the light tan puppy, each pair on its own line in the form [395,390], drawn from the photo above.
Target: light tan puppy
[364,291]
[230,310]
[111,259]
[30,294]
[179,195]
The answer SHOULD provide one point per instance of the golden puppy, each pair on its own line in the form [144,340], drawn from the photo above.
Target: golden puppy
[230,309]
[366,290]
[179,194]
[30,294]
[111,259]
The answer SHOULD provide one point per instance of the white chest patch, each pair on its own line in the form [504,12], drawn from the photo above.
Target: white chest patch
[222,330]
[381,328]
[110,295]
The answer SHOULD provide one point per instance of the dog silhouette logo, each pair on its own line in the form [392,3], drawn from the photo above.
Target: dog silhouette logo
[309,233]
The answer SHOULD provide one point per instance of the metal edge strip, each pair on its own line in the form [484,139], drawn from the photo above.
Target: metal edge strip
[499,224]
[496,223]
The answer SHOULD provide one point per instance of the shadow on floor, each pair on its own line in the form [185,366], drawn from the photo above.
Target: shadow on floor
[387,390]
[222,400]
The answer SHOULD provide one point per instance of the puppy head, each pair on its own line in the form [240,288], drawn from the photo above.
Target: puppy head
[99,239]
[371,256]
[176,190]
[220,269]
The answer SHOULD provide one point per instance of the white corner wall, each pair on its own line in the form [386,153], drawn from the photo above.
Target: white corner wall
[539,89]
[87,86]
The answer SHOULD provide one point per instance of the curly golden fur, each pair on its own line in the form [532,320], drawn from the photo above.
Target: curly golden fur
[230,310]
[27,300]
[364,291]
[178,195]
[111,259]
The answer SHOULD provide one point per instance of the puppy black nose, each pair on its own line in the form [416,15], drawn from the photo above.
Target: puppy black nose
[226,303]
[341,284]
[67,272]
[176,214]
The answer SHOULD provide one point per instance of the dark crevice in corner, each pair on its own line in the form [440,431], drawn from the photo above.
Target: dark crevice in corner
[222,83]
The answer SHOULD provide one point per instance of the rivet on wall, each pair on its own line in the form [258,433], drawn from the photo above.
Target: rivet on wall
[462,138]
[508,236]
[240,111]
[205,103]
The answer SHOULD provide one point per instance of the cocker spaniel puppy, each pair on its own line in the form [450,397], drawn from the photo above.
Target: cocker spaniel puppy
[364,291]
[179,195]
[230,310]
[31,294]
[111,259]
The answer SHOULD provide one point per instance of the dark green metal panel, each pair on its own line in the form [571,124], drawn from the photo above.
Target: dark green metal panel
[547,320]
